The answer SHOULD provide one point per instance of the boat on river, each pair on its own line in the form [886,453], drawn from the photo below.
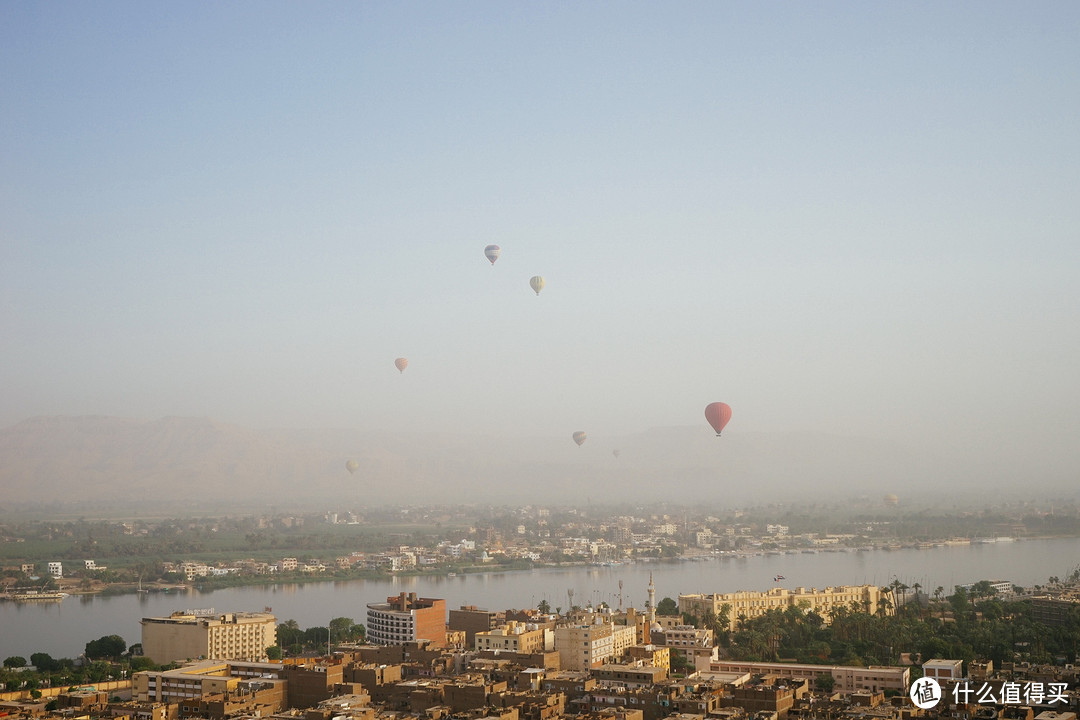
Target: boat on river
[35,596]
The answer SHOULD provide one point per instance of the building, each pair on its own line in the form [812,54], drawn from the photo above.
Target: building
[846,679]
[191,634]
[588,645]
[750,604]
[694,644]
[943,670]
[406,618]
[1054,610]
[581,647]
[191,682]
[514,637]
[629,675]
[472,620]
[56,569]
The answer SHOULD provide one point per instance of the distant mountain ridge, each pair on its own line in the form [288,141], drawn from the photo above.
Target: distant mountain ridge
[186,462]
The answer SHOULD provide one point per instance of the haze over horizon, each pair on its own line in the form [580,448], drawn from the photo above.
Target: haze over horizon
[850,220]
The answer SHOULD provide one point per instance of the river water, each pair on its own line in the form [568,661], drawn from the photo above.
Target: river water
[63,629]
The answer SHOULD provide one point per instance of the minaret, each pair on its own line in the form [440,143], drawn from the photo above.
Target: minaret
[652,601]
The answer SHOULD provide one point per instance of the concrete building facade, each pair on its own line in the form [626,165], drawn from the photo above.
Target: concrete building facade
[406,618]
[753,604]
[189,635]
[514,637]
[847,679]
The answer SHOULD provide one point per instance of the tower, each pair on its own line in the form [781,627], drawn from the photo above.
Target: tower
[652,601]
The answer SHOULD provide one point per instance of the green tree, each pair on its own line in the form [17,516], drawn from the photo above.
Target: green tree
[15,661]
[273,652]
[44,662]
[109,646]
[140,663]
[667,606]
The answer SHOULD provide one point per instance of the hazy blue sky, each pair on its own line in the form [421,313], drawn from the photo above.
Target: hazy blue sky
[859,218]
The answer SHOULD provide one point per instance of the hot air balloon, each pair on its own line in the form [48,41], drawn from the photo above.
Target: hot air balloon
[616,453]
[892,500]
[536,283]
[579,438]
[718,414]
[352,466]
[401,364]
[491,252]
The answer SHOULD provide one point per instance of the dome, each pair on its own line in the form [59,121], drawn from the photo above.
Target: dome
[656,627]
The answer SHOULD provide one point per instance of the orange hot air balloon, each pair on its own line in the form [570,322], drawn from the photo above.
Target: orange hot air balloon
[718,414]
[579,438]
[401,364]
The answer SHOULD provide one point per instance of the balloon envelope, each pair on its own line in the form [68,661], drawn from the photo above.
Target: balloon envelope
[579,438]
[536,283]
[616,453]
[352,466]
[401,364]
[718,414]
[491,252]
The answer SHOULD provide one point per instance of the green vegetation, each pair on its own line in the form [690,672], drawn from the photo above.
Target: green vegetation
[110,658]
[962,627]
[107,658]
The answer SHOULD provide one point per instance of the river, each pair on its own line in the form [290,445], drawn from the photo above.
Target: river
[62,629]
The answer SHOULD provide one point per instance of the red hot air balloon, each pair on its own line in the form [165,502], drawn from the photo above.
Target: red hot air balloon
[718,414]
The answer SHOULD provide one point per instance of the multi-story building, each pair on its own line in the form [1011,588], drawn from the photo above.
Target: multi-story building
[194,634]
[514,637]
[472,620]
[56,569]
[847,679]
[943,670]
[406,618]
[629,675]
[581,647]
[692,643]
[752,604]
[193,681]
[588,645]
[1052,610]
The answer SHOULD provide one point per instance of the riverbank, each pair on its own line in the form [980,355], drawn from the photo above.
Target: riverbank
[233,577]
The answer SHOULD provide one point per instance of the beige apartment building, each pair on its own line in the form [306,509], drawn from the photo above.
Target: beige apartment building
[585,646]
[875,678]
[515,637]
[753,604]
[203,634]
[203,678]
